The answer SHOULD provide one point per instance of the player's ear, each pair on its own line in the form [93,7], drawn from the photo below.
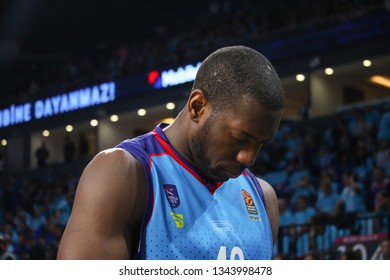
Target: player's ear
[196,105]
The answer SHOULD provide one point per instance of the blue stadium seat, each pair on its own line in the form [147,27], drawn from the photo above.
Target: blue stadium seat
[297,175]
[276,178]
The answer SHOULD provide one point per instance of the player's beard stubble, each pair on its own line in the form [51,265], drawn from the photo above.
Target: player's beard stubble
[202,162]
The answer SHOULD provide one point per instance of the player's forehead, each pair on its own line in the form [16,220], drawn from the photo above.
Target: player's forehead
[252,121]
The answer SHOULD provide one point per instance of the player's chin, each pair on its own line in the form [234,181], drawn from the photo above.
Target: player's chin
[226,175]
[217,176]
[233,173]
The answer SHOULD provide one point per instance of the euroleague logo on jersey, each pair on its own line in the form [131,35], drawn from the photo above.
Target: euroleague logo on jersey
[172,195]
[250,205]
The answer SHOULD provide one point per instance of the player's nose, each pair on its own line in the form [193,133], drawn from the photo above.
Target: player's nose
[247,157]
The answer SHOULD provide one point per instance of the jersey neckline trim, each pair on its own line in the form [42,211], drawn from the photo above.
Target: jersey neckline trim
[166,145]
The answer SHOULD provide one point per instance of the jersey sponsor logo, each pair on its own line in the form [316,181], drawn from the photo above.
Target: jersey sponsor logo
[250,206]
[172,195]
[179,219]
[173,77]
[222,226]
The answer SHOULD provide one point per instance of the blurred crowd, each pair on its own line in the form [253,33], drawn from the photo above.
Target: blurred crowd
[332,177]
[35,207]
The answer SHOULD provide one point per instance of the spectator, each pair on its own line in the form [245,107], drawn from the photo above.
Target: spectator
[285,221]
[5,253]
[1,162]
[358,125]
[323,230]
[363,163]
[83,146]
[351,255]
[352,195]
[3,246]
[69,149]
[327,198]
[351,200]
[372,115]
[384,125]
[311,255]
[380,183]
[382,211]
[382,157]
[302,216]
[36,220]
[280,256]
[343,164]
[303,187]
[325,157]
[384,251]
[42,154]
[299,158]
[22,247]
[37,249]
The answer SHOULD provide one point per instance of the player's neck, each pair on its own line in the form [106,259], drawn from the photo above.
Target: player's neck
[177,134]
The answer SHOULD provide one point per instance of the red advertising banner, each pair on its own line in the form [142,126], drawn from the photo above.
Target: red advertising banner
[366,245]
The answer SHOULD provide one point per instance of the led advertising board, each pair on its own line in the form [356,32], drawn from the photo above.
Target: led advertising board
[57,105]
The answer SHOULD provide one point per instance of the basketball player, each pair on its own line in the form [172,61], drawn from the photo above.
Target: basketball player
[183,191]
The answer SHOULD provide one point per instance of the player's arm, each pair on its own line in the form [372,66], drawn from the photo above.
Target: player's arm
[107,210]
[271,202]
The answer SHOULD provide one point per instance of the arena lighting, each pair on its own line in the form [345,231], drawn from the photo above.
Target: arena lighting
[69,128]
[167,120]
[141,112]
[300,77]
[380,80]
[94,122]
[46,133]
[367,63]
[4,142]
[329,71]
[114,118]
[170,106]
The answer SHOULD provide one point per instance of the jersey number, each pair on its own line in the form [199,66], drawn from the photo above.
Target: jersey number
[235,254]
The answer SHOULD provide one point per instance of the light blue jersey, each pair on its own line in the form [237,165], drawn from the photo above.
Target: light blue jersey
[189,218]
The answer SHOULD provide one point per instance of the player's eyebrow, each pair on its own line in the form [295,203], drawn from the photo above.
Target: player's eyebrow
[249,135]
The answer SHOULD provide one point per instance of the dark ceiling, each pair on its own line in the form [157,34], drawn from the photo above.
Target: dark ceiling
[71,26]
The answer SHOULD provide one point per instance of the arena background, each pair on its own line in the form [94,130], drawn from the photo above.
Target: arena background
[73,69]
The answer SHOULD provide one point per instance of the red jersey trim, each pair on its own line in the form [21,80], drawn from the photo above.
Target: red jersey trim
[173,154]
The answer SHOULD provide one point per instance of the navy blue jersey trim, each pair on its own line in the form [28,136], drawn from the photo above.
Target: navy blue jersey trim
[144,160]
[258,188]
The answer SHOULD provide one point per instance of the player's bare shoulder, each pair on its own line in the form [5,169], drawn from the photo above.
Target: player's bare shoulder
[269,191]
[118,173]
[272,206]
[109,204]
[116,157]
